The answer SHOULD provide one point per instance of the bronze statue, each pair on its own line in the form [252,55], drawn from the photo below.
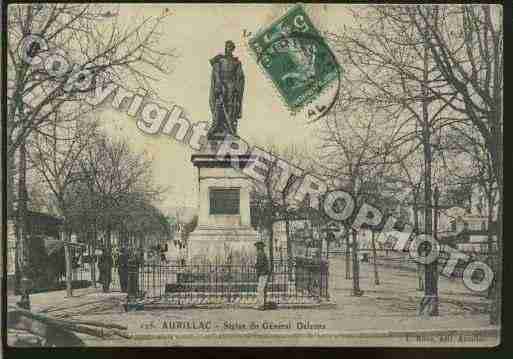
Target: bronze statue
[226,90]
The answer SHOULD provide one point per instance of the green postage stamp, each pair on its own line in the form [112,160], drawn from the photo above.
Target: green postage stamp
[296,57]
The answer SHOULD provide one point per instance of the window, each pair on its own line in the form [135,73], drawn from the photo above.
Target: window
[453,226]
[224,201]
[483,226]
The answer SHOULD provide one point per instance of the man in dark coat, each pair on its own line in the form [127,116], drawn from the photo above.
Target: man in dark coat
[262,271]
[135,260]
[123,269]
[105,266]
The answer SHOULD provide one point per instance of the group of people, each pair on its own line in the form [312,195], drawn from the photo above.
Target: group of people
[127,263]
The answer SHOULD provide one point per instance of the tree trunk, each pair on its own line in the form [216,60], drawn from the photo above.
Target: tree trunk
[374,255]
[11,170]
[429,303]
[9,182]
[420,267]
[91,262]
[490,238]
[320,244]
[271,248]
[67,256]
[108,267]
[95,244]
[496,305]
[348,258]
[290,255]
[22,229]
[289,244]
[497,157]
[356,264]
[17,269]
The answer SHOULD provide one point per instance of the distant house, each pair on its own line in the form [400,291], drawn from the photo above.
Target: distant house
[39,223]
[472,236]
[299,232]
[468,221]
[463,230]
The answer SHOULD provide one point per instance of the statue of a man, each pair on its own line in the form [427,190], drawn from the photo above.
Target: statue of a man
[226,90]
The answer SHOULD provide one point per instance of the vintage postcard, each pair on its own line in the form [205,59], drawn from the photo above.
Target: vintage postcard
[252,175]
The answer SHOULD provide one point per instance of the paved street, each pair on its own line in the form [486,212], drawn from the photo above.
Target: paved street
[385,313]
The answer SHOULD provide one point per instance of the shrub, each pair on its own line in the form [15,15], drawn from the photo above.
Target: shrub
[44,270]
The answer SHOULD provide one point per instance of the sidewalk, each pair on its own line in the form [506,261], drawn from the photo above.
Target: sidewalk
[83,302]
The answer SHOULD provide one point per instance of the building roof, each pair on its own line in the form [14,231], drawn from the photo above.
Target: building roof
[39,216]
[466,235]
[41,223]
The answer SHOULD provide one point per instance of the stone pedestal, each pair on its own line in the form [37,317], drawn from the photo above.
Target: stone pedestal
[224,222]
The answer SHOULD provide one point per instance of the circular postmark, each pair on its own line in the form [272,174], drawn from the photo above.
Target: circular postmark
[306,69]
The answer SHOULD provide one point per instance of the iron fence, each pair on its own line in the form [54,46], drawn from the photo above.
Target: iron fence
[295,282]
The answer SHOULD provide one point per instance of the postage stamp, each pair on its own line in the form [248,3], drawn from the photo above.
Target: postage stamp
[161,190]
[295,56]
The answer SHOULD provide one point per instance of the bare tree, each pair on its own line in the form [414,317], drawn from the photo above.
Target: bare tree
[352,157]
[397,74]
[114,180]
[74,39]
[271,197]
[465,145]
[56,157]
[412,182]
[90,37]
[465,42]
[144,221]
[430,68]
[472,63]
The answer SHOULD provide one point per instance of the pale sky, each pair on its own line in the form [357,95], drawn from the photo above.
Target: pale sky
[197,33]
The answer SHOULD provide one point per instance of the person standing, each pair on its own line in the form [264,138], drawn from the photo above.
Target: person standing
[123,269]
[105,266]
[135,260]
[100,265]
[262,271]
